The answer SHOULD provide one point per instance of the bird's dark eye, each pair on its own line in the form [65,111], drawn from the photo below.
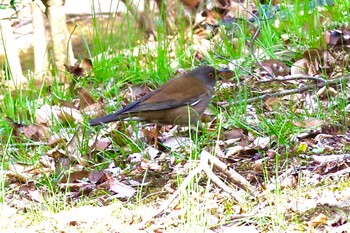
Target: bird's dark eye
[211,75]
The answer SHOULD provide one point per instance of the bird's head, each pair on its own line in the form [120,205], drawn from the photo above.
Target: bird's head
[207,75]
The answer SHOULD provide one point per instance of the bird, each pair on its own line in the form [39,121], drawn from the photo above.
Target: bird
[180,101]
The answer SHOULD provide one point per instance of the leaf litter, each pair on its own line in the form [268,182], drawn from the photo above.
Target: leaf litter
[243,172]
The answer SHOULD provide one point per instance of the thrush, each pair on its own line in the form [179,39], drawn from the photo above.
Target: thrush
[180,101]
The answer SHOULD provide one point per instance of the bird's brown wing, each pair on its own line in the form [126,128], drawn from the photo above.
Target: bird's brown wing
[181,91]
[175,93]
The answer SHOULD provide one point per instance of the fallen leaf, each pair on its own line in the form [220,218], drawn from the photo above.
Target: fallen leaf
[234,133]
[121,190]
[262,142]
[70,115]
[318,220]
[33,132]
[75,176]
[80,69]
[307,124]
[300,67]
[276,67]
[85,98]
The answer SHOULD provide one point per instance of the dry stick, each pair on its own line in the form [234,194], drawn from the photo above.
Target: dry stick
[230,173]
[340,173]
[289,92]
[165,205]
[205,157]
[293,77]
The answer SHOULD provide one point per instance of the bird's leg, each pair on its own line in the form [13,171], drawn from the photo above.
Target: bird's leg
[158,128]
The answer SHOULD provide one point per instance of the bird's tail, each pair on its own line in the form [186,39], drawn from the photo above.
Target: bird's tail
[105,119]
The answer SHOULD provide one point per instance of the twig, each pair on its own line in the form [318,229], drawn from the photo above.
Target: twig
[230,173]
[205,158]
[289,92]
[167,203]
[295,77]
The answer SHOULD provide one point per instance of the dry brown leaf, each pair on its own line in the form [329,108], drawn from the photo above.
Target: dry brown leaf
[262,142]
[334,129]
[97,176]
[48,162]
[80,69]
[330,165]
[86,64]
[332,37]
[234,151]
[276,67]
[234,133]
[135,158]
[318,220]
[151,135]
[95,110]
[151,165]
[322,60]
[226,75]
[337,37]
[75,176]
[22,174]
[76,70]
[102,144]
[55,140]
[178,143]
[211,17]
[273,103]
[315,58]
[16,177]
[33,132]
[70,115]
[153,153]
[192,4]
[289,182]
[56,153]
[328,158]
[259,165]
[325,92]
[310,123]
[300,67]
[46,115]
[222,4]
[271,154]
[73,148]
[134,92]
[241,10]
[121,190]
[85,98]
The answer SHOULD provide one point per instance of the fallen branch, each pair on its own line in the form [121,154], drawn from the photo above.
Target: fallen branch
[317,78]
[231,174]
[290,92]
[205,158]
